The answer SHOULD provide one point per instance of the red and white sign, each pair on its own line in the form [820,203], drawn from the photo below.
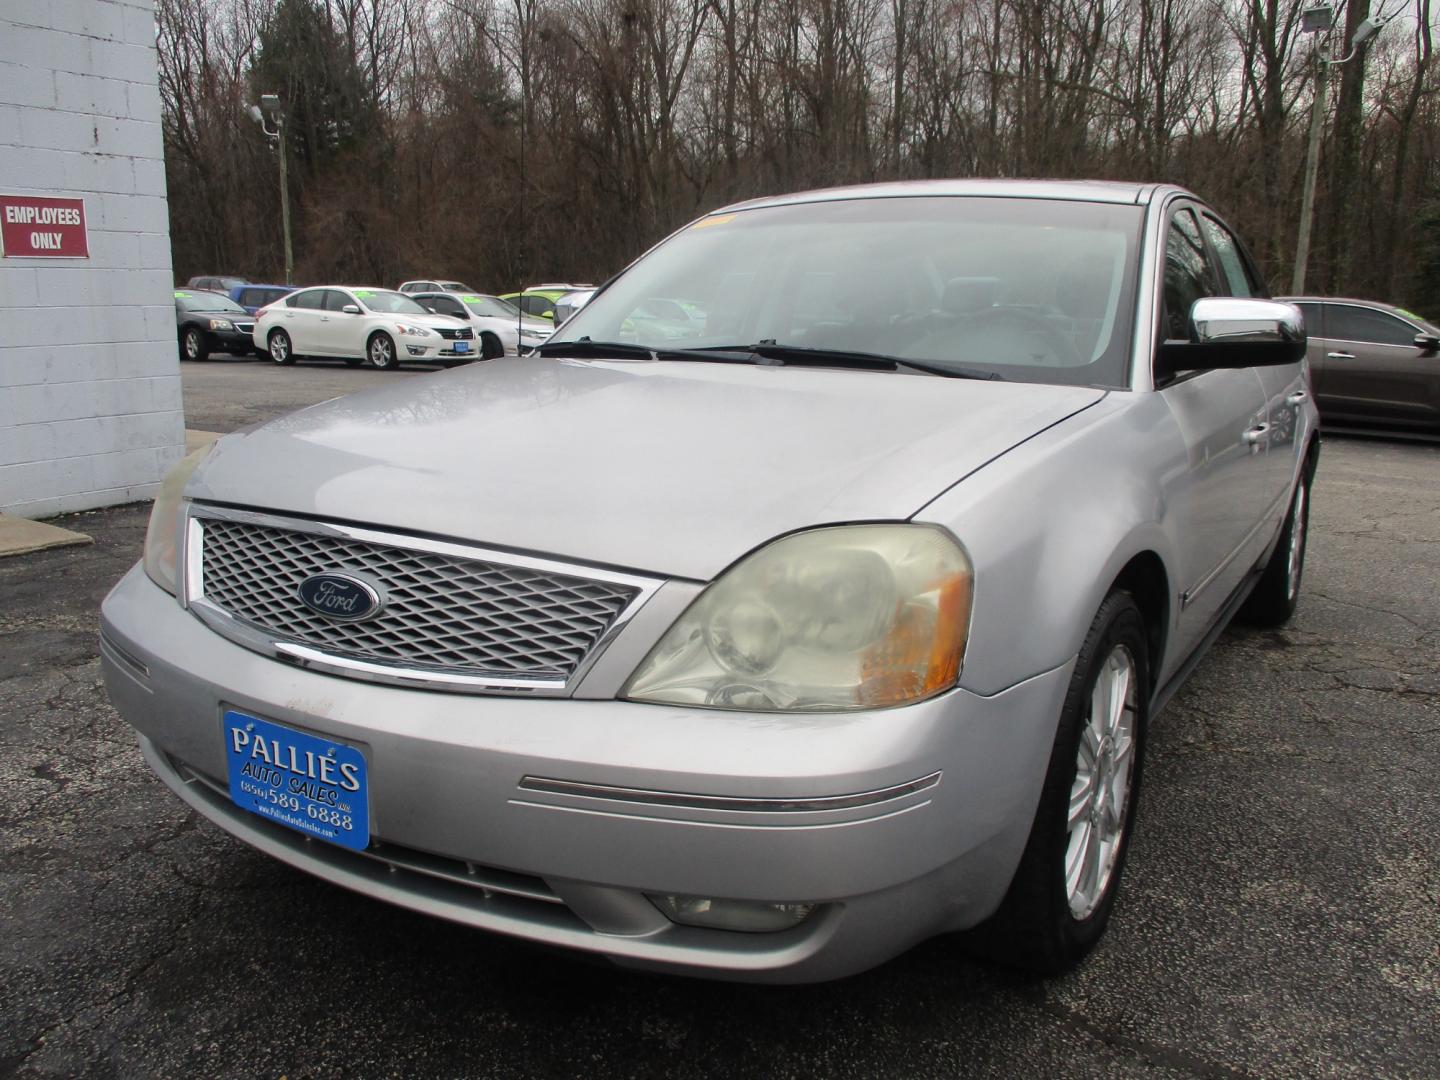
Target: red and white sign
[42,227]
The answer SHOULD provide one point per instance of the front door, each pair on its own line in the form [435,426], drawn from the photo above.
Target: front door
[1372,372]
[1216,503]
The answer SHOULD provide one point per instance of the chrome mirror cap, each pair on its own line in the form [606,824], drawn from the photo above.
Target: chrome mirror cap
[1217,319]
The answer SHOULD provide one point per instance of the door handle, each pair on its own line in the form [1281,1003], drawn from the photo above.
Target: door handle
[1340,356]
[1256,433]
[1296,398]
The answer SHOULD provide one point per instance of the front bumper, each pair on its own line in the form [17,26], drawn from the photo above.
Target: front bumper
[446,350]
[477,817]
[232,341]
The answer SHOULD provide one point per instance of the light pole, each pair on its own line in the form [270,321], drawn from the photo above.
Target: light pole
[1319,20]
[270,105]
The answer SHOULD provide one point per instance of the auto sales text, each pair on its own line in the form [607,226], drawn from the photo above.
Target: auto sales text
[310,765]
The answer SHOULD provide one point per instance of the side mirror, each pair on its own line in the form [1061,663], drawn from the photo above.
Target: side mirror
[351,309]
[1236,332]
[1428,344]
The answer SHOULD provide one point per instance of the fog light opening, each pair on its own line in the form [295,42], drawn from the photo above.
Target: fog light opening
[745,916]
[416,350]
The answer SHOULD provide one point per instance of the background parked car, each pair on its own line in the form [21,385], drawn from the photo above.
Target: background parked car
[538,302]
[207,322]
[434,286]
[499,327]
[216,282]
[1373,364]
[253,297]
[353,323]
[570,303]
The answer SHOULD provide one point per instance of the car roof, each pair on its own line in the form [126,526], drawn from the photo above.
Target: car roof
[1103,191]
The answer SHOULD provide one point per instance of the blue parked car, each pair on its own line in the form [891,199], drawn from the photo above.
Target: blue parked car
[253,297]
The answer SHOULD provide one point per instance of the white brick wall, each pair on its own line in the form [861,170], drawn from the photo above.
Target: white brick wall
[90,410]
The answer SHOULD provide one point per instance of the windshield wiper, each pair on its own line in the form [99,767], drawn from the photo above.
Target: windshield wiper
[771,351]
[584,348]
[763,353]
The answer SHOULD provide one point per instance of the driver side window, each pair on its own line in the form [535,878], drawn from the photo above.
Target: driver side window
[1189,274]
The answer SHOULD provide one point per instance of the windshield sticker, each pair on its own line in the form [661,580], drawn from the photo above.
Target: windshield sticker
[1410,314]
[363,292]
[471,299]
[184,295]
[713,219]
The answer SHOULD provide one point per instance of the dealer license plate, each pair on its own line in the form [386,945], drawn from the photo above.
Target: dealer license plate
[315,786]
[462,346]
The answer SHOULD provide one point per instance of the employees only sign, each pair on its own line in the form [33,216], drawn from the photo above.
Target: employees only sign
[40,226]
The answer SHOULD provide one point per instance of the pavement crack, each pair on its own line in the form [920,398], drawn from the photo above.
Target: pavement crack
[1150,1053]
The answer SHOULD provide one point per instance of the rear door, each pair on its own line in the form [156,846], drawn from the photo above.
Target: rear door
[1374,373]
[300,318]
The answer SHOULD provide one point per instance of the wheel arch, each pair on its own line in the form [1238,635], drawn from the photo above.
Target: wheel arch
[1144,577]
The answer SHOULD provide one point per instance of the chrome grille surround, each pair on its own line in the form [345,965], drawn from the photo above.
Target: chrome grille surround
[457,617]
[463,333]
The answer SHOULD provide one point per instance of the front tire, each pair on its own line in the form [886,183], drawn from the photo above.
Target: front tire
[193,345]
[490,347]
[1060,899]
[281,349]
[381,351]
[1275,596]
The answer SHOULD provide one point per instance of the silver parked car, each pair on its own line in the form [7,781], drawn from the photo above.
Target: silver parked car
[765,653]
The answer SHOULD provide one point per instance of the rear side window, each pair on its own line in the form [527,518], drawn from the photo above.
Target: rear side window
[310,298]
[1189,274]
[1345,322]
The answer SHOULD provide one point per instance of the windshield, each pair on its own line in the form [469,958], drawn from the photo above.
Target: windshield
[200,301]
[1030,289]
[389,303]
[492,306]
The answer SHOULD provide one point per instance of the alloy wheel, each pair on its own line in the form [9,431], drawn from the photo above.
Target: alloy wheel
[1100,793]
[1296,557]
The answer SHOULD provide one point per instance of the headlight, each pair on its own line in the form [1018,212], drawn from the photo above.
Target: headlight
[852,617]
[221,324]
[526,332]
[413,331]
[162,538]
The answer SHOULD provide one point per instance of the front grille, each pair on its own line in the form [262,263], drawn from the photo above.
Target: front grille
[442,612]
[462,334]
[245,327]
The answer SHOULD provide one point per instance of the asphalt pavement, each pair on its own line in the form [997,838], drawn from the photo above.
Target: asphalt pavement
[1280,914]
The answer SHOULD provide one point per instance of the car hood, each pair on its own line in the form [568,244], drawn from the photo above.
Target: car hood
[436,322]
[670,467]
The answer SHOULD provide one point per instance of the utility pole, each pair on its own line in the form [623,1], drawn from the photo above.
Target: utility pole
[1319,20]
[1312,169]
[270,104]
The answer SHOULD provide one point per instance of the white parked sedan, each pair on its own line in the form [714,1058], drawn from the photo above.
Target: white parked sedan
[500,329]
[354,323]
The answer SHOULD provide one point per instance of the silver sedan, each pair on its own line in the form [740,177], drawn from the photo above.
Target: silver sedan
[768,652]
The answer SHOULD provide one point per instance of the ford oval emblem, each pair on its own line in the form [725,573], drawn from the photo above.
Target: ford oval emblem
[339,596]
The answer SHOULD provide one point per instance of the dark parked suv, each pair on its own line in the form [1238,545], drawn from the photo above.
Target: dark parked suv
[1373,365]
